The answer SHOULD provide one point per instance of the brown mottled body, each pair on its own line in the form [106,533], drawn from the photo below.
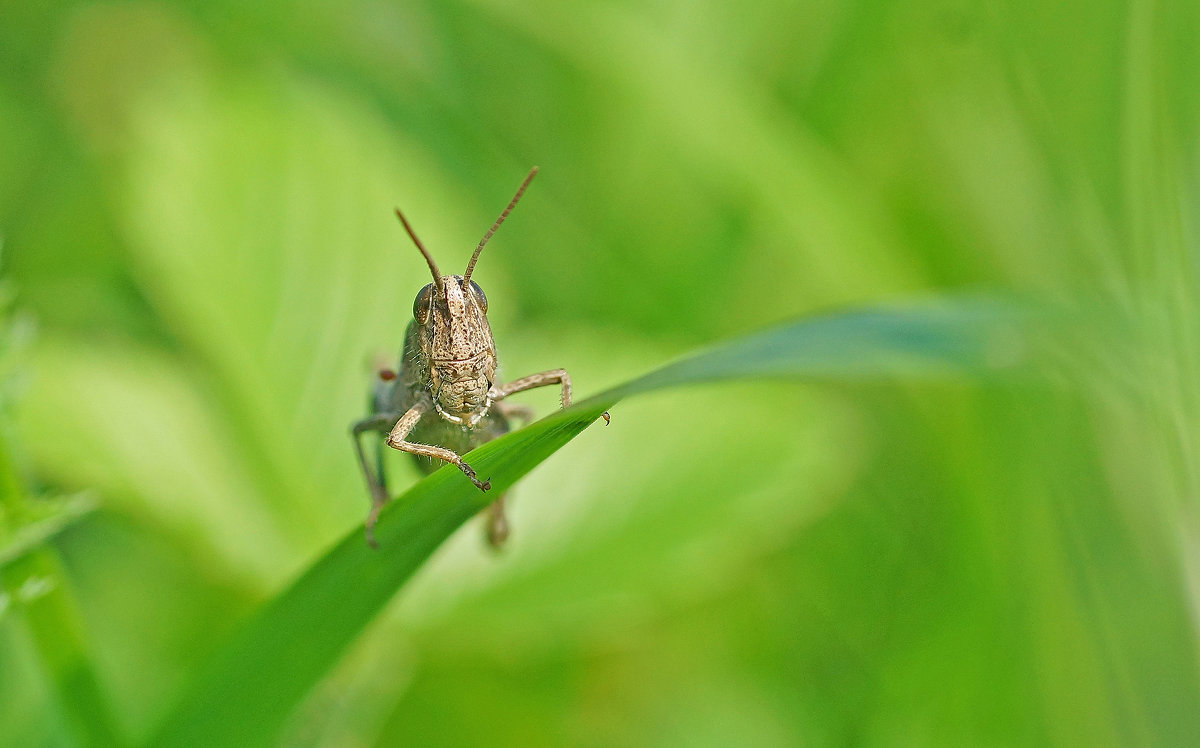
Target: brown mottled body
[445,401]
[414,384]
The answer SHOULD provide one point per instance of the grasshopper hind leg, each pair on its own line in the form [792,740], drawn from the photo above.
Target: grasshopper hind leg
[496,529]
[497,524]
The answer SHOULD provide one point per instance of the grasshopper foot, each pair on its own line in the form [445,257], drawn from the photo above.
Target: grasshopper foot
[482,485]
[605,416]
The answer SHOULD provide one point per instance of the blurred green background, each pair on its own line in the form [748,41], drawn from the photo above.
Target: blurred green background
[202,266]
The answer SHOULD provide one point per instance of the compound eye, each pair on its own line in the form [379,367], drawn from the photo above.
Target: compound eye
[421,304]
[479,296]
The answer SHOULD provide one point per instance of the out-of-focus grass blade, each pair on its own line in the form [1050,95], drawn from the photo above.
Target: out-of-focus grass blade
[251,687]
[63,513]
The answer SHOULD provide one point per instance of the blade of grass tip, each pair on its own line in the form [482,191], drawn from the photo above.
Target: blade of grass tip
[249,689]
[933,340]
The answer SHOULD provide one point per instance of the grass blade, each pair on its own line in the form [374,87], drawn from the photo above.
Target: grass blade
[250,688]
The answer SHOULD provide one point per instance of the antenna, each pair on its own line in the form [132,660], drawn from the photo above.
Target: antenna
[437,275]
[512,204]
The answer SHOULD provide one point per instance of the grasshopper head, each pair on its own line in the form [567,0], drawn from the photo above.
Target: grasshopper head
[456,340]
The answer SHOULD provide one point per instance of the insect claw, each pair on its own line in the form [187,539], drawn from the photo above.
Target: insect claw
[605,416]
[483,485]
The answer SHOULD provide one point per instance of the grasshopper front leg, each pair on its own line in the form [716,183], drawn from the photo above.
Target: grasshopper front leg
[533,381]
[396,440]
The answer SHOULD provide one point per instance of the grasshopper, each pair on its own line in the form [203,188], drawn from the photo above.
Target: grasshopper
[444,400]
